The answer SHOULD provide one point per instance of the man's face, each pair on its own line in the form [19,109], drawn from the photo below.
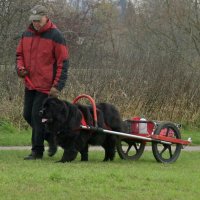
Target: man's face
[38,24]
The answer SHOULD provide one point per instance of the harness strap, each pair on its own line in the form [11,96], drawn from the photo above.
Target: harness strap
[83,121]
[107,127]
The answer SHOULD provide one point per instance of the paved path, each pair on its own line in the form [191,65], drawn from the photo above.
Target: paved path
[93,148]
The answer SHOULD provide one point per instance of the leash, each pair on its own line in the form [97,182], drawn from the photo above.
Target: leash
[32,85]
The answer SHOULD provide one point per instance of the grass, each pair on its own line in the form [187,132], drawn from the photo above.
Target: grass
[121,179]
[194,134]
[11,136]
[144,179]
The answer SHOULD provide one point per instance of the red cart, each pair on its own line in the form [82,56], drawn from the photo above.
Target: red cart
[164,136]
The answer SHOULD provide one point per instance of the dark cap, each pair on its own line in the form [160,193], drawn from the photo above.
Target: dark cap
[37,12]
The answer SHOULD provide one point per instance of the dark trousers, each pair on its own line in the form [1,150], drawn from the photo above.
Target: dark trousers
[32,105]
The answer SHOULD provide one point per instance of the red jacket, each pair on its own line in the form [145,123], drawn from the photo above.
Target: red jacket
[45,56]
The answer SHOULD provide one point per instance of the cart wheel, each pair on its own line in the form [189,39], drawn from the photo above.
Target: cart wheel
[166,153]
[129,149]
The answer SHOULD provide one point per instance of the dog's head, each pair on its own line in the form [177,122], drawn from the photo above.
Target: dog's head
[53,112]
[57,114]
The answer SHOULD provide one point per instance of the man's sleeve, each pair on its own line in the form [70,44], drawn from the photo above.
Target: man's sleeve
[62,61]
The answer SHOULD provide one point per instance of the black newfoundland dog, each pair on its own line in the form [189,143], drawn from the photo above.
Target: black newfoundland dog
[63,119]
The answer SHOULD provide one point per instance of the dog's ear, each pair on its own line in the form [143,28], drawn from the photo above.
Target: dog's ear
[57,108]
[49,102]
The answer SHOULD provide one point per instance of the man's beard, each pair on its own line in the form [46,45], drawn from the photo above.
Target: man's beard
[36,28]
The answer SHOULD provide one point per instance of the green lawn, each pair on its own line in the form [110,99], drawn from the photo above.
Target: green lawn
[11,136]
[194,134]
[120,179]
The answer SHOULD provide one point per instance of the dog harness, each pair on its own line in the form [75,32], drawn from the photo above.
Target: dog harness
[83,121]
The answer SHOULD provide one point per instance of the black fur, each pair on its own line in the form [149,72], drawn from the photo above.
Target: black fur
[63,119]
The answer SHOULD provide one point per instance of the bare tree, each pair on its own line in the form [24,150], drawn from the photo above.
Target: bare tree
[147,63]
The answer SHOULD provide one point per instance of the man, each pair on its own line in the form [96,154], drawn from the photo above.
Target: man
[42,61]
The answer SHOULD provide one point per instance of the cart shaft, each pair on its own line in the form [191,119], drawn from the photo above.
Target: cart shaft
[122,134]
[171,139]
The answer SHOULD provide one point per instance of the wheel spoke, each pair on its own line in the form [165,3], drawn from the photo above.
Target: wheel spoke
[170,151]
[135,145]
[129,147]
[163,150]
[167,133]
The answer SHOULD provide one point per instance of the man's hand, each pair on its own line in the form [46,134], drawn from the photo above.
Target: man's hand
[54,92]
[22,73]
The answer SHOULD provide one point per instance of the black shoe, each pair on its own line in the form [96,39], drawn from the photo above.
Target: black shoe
[52,150]
[33,156]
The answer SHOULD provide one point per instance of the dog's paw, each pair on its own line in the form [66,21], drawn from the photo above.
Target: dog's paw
[52,151]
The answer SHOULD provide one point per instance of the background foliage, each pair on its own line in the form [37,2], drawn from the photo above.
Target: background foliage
[144,58]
